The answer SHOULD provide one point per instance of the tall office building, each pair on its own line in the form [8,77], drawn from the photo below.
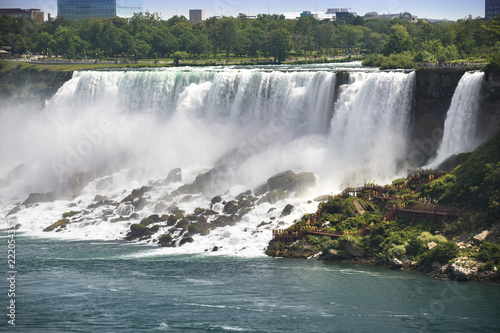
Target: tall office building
[196,15]
[492,8]
[77,9]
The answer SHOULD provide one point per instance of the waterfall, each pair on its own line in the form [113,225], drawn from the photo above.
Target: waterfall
[369,130]
[460,128]
[134,126]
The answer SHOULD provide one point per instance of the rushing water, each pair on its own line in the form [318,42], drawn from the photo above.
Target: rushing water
[461,134]
[118,287]
[134,126]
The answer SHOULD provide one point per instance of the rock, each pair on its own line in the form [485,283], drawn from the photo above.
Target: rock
[140,203]
[353,249]
[222,221]
[216,199]
[275,196]
[187,198]
[59,224]
[199,211]
[172,220]
[482,236]
[155,218]
[199,228]
[160,207]
[244,211]
[175,210]
[231,208]
[431,245]
[244,195]
[183,224]
[165,240]
[125,209]
[137,230]
[396,264]
[174,176]
[99,197]
[291,181]
[167,197]
[154,229]
[74,185]
[192,217]
[34,198]
[215,249]
[325,197]
[186,239]
[287,210]
[210,212]
[245,202]
[14,210]
[460,273]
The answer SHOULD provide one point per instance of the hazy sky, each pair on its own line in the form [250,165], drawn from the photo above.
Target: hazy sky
[436,9]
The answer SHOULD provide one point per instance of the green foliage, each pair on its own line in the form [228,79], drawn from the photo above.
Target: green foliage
[313,240]
[443,252]
[489,252]
[177,56]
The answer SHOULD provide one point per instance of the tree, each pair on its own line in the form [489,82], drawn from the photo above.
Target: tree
[398,42]
[228,30]
[179,55]
[302,37]
[324,35]
[278,44]
[44,42]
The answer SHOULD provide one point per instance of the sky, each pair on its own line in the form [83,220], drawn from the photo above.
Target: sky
[432,9]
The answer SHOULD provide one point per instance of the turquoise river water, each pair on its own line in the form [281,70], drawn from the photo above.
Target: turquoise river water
[83,286]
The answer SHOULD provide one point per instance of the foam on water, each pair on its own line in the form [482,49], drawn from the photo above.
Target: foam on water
[131,127]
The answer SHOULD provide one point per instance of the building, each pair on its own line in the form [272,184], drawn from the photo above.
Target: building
[492,8]
[196,15]
[35,14]
[77,9]
[402,16]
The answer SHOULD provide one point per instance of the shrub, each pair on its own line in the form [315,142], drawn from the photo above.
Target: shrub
[489,252]
[313,240]
[442,253]
[489,266]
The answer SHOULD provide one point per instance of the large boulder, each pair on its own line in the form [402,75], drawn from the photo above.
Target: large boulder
[273,197]
[199,228]
[287,210]
[34,198]
[57,225]
[291,182]
[231,207]
[174,176]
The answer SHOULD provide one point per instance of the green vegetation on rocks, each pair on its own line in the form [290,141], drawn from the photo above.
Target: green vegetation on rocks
[443,223]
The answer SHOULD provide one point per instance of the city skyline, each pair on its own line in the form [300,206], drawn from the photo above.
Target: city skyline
[425,8]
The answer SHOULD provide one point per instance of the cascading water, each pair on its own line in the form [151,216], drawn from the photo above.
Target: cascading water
[369,130]
[460,128]
[130,128]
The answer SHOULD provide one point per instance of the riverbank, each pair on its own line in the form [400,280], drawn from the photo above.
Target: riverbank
[428,222]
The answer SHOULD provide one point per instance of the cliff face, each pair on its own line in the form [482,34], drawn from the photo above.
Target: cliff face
[30,84]
[434,90]
[490,109]
[433,93]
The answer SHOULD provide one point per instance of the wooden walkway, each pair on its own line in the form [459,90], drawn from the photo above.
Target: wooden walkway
[436,214]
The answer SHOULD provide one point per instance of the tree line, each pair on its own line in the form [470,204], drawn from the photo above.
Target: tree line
[146,35]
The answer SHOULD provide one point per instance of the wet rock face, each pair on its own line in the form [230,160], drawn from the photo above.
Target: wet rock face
[34,198]
[174,176]
[291,182]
